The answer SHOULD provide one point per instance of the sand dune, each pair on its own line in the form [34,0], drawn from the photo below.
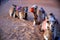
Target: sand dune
[16,29]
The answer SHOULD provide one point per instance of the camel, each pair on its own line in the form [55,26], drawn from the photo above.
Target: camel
[20,12]
[12,10]
[47,34]
[51,24]
[26,12]
[33,9]
[41,15]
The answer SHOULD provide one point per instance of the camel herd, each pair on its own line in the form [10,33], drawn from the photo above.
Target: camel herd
[39,17]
